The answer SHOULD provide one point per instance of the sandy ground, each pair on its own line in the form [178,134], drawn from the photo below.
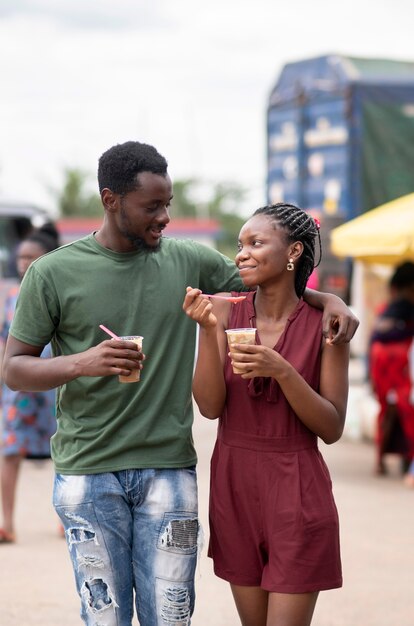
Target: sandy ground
[36,581]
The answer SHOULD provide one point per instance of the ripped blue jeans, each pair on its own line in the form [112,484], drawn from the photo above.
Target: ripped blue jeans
[132,531]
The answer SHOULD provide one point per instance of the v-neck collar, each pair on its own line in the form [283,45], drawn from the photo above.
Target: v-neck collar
[251,312]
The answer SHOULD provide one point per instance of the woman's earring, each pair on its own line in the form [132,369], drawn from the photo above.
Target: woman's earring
[290,266]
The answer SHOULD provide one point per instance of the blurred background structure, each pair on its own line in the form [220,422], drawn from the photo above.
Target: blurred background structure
[341,142]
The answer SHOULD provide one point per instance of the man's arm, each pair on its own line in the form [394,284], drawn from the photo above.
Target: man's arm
[339,324]
[24,370]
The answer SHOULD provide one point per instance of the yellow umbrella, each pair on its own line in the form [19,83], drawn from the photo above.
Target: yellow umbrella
[383,235]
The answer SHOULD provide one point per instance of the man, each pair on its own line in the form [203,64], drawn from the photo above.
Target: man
[125,485]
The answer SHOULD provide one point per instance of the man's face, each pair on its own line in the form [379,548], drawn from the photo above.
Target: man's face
[144,213]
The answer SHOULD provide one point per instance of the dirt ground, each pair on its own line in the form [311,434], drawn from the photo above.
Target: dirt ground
[36,581]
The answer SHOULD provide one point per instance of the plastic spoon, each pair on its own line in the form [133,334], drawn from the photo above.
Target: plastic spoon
[228,298]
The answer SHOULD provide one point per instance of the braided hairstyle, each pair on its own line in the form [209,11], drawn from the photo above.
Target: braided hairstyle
[298,226]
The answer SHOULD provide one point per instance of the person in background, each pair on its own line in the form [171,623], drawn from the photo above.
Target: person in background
[274,530]
[24,228]
[50,230]
[125,485]
[409,476]
[28,417]
[389,371]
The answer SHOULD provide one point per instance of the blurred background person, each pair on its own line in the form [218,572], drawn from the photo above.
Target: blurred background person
[389,370]
[28,417]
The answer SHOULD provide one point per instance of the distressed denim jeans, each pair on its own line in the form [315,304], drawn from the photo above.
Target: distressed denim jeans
[132,531]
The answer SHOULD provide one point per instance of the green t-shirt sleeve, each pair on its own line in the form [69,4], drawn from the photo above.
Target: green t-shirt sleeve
[217,272]
[36,314]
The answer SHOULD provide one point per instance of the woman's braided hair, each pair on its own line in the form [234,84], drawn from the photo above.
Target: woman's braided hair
[298,226]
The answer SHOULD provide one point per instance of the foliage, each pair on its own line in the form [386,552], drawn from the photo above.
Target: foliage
[74,199]
[220,201]
[231,225]
[182,204]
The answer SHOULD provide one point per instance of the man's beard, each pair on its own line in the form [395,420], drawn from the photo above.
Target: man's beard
[141,245]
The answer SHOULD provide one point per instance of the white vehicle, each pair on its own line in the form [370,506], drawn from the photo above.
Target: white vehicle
[17,219]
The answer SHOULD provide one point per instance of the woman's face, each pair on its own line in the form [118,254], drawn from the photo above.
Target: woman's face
[27,252]
[263,251]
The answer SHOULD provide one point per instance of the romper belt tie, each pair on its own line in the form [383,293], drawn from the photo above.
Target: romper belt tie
[290,443]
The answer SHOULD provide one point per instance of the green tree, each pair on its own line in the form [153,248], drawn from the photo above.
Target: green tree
[183,205]
[220,201]
[74,199]
[224,205]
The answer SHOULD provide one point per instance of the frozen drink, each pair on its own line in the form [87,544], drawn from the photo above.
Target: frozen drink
[135,375]
[240,335]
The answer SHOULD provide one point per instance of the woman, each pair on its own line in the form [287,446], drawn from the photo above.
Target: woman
[28,418]
[273,522]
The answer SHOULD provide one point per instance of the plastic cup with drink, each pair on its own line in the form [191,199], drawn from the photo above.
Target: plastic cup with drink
[135,375]
[240,335]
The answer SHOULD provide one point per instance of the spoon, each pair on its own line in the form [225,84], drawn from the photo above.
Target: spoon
[228,298]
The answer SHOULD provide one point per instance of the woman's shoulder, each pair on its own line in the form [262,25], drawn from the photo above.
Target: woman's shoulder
[307,311]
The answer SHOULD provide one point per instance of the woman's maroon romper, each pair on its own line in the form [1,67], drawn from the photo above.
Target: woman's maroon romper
[273,519]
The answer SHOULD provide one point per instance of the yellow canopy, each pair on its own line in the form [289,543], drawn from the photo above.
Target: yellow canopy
[383,235]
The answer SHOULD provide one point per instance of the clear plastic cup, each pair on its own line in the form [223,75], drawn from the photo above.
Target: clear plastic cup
[135,375]
[240,335]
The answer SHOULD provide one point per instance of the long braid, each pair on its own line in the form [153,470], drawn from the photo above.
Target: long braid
[299,226]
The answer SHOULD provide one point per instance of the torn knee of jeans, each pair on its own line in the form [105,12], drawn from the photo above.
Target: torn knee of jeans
[79,535]
[81,532]
[180,533]
[176,606]
[98,595]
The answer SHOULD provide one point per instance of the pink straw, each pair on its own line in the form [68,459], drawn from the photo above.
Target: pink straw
[109,332]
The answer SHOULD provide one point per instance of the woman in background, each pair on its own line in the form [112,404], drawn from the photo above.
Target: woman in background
[28,417]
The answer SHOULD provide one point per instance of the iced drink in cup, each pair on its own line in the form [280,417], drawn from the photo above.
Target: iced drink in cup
[135,375]
[240,335]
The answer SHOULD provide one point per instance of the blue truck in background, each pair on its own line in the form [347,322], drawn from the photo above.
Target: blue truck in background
[340,141]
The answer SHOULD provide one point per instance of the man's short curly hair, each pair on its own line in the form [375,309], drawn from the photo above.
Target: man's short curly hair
[119,166]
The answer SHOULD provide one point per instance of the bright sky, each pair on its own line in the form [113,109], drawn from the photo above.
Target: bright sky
[190,77]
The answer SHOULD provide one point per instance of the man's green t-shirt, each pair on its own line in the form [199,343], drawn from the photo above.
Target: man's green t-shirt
[104,425]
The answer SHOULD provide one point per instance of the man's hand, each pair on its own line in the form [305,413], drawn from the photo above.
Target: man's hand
[110,357]
[339,324]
